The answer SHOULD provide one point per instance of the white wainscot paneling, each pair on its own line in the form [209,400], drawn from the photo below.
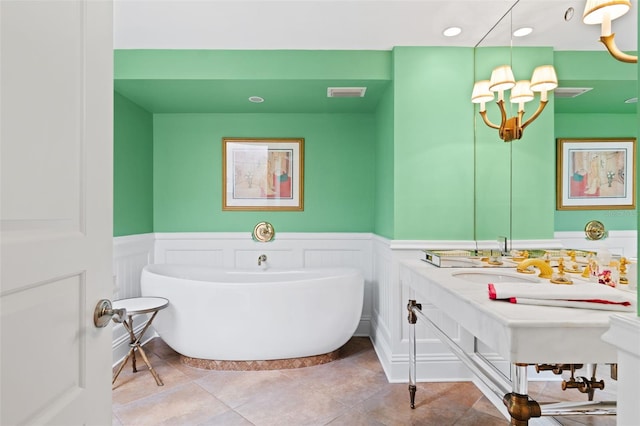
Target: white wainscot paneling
[287,250]
[623,243]
[389,326]
[130,254]
[280,257]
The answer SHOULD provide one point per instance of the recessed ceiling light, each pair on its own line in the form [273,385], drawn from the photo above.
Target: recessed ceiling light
[452,31]
[631,101]
[521,32]
[256,99]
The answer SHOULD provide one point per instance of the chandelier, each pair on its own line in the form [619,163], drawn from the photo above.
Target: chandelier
[603,12]
[543,80]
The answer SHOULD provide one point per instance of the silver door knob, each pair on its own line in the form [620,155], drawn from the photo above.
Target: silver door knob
[104,312]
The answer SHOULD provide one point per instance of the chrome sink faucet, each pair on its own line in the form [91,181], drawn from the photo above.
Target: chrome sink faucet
[262,258]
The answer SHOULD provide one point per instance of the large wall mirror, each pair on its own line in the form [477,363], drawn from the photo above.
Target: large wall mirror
[515,181]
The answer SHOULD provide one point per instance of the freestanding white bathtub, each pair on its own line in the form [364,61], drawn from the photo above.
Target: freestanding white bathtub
[239,315]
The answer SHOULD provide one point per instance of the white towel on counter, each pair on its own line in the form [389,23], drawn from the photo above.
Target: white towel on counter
[579,295]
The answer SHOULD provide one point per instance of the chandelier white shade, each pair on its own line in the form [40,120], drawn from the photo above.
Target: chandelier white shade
[481,93]
[502,79]
[543,80]
[602,12]
[597,11]
[521,94]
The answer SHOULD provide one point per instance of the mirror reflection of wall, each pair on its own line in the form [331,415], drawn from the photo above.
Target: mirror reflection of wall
[515,182]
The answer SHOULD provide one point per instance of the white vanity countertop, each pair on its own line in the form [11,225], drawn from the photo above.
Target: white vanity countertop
[519,333]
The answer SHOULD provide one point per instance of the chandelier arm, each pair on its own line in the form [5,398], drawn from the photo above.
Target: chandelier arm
[520,117]
[503,113]
[535,114]
[610,43]
[483,114]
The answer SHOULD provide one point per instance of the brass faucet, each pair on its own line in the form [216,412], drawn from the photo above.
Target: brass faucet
[545,269]
[623,270]
[262,258]
[561,277]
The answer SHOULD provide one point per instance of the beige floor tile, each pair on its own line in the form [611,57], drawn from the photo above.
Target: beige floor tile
[367,359]
[352,418]
[391,406]
[115,421]
[340,380]
[350,391]
[182,405]
[235,388]
[160,349]
[483,405]
[293,406]
[228,418]
[475,418]
[133,386]
[191,372]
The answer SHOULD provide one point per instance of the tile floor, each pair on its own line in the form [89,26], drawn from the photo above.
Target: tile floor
[352,390]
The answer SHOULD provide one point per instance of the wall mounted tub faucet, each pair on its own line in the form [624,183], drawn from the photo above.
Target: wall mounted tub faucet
[262,258]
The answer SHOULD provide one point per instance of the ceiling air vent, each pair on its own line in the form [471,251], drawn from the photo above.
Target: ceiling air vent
[570,92]
[346,92]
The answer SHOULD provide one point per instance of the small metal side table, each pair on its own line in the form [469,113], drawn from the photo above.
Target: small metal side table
[139,306]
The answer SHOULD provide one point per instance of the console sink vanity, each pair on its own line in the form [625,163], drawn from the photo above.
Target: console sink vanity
[521,334]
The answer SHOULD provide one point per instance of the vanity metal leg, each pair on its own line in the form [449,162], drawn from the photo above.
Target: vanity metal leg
[412,350]
[520,407]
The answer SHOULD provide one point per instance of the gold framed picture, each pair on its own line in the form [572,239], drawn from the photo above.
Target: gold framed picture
[263,174]
[596,174]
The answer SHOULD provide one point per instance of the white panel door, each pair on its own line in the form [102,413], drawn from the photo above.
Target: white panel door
[56,212]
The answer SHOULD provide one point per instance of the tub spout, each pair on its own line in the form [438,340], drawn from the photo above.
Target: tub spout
[545,269]
[262,258]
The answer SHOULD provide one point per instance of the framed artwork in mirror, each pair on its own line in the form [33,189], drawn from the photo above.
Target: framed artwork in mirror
[595,174]
[263,174]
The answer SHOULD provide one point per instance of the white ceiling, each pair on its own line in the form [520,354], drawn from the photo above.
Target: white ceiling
[355,24]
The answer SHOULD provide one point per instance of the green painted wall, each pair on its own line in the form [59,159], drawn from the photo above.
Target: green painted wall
[596,126]
[339,171]
[251,64]
[384,170]
[133,168]
[433,143]
[220,81]
[358,177]
[407,169]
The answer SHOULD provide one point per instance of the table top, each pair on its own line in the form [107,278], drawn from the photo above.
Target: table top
[141,305]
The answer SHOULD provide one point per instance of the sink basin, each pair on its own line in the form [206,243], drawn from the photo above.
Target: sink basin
[483,277]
